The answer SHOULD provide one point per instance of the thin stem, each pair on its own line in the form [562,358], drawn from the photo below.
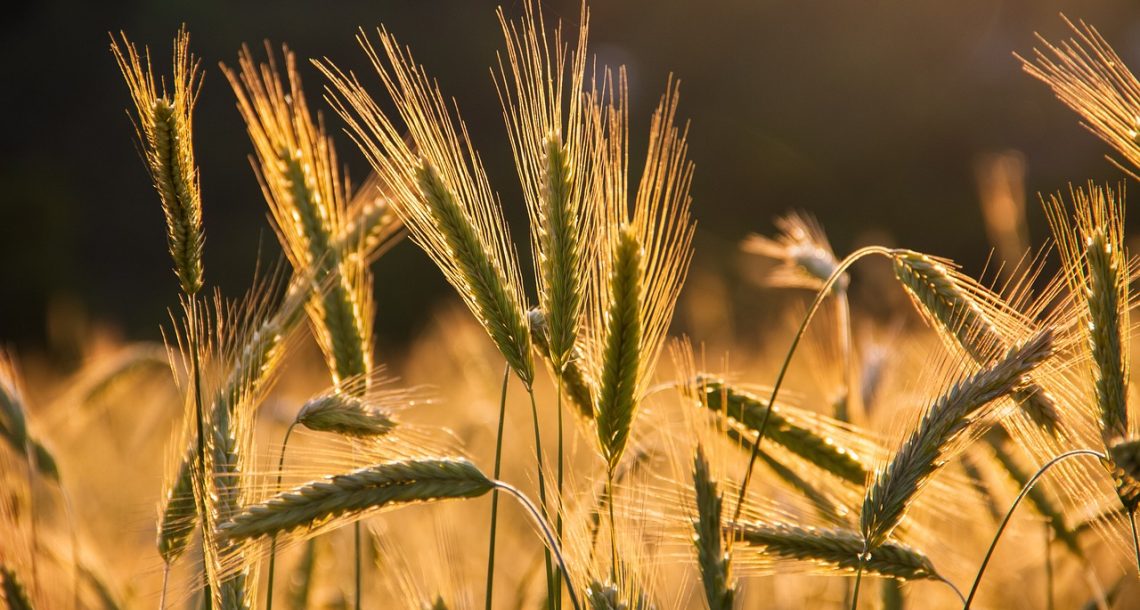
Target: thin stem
[203,476]
[1135,541]
[1009,514]
[858,581]
[551,543]
[953,588]
[356,548]
[1048,567]
[165,579]
[273,540]
[561,479]
[495,493]
[819,297]
[613,526]
[542,496]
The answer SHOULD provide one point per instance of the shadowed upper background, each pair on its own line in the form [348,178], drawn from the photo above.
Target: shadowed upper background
[868,115]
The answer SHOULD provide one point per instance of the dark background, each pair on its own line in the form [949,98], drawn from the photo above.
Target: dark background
[868,114]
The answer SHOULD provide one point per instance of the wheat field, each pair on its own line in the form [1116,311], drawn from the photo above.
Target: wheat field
[548,442]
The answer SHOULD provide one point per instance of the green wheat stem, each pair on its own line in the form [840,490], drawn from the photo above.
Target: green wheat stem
[544,527]
[823,292]
[273,541]
[542,494]
[495,492]
[561,480]
[1009,514]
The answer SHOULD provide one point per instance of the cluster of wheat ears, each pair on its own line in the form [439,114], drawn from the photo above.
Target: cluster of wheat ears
[640,490]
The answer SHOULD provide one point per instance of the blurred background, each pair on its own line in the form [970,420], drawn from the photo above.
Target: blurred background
[875,117]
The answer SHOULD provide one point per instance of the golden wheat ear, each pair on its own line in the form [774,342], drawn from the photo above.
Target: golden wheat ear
[297,167]
[165,128]
[1087,75]
[541,88]
[440,191]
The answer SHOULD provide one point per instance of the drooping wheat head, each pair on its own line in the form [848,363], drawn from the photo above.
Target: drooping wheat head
[968,315]
[165,128]
[349,495]
[439,189]
[945,425]
[831,549]
[805,255]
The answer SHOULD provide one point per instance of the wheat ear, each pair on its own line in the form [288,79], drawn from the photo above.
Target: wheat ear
[15,595]
[955,305]
[165,126]
[617,386]
[347,495]
[714,561]
[345,414]
[14,424]
[297,166]
[834,548]
[1087,75]
[745,412]
[440,191]
[950,418]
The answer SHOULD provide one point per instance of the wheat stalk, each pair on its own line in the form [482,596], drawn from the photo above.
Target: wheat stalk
[165,126]
[950,418]
[834,548]
[347,495]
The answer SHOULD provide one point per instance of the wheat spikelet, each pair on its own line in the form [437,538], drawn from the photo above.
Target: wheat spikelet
[372,487]
[440,191]
[165,127]
[554,152]
[714,561]
[938,434]
[957,307]
[610,596]
[297,167]
[343,413]
[578,387]
[745,411]
[833,548]
[806,258]
[1087,75]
